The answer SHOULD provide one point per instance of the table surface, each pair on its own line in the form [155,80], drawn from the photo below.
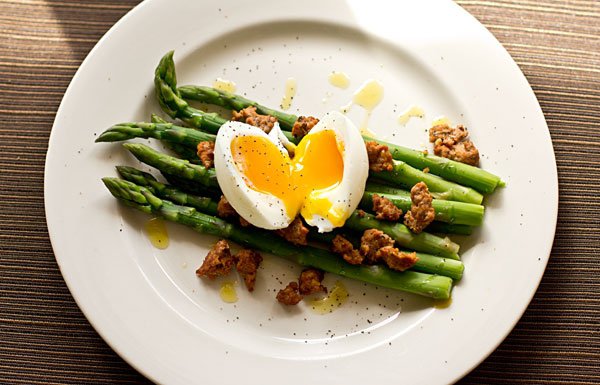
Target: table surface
[44,337]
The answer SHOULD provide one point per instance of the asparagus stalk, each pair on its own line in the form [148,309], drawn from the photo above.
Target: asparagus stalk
[426,264]
[157,119]
[407,176]
[167,132]
[204,204]
[183,152]
[481,180]
[445,211]
[424,242]
[165,84]
[449,228]
[234,102]
[434,286]
[174,166]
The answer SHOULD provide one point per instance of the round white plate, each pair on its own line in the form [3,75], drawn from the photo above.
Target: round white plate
[171,326]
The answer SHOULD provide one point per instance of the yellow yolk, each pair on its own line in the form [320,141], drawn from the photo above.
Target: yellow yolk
[317,165]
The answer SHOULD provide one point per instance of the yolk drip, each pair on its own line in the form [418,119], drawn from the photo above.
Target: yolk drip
[317,165]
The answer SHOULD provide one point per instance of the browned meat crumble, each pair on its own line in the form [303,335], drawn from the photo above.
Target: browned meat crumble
[310,282]
[344,247]
[421,212]
[373,240]
[380,157]
[385,209]
[218,261]
[453,143]
[249,116]
[396,259]
[289,295]
[295,233]
[225,210]
[247,265]
[206,153]
[303,125]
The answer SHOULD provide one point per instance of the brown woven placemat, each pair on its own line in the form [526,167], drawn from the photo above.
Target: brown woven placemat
[44,338]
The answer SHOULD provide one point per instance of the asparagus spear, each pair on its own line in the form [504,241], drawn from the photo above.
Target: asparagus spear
[424,242]
[445,211]
[434,286]
[171,165]
[449,228]
[234,102]
[183,152]
[167,132]
[426,263]
[165,84]
[481,180]
[140,178]
[408,176]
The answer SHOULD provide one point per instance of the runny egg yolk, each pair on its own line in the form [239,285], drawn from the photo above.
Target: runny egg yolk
[317,165]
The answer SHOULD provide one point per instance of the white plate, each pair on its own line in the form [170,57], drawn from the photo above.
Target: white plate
[148,304]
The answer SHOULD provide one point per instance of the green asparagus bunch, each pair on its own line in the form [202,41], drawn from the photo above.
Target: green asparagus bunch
[434,286]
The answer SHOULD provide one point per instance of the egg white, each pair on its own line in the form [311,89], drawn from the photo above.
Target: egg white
[261,210]
[269,212]
[346,196]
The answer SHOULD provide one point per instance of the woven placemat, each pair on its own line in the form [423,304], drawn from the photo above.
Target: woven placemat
[44,338]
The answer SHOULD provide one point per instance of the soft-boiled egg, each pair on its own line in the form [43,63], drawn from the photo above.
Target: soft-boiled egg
[269,181]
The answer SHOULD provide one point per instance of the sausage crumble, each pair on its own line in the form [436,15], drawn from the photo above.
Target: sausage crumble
[303,125]
[218,261]
[225,210]
[247,265]
[452,143]
[396,259]
[310,282]
[385,209]
[421,212]
[206,153]
[344,247]
[373,240]
[380,157]
[249,116]
[295,233]
[289,295]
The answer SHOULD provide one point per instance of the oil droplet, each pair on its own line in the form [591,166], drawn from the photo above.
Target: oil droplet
[227,292]
[440,120]
[410,112]
[157,233]
[442,303]
[339,79]
[224,85]
[289,93]
[337,296]
[369,95]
